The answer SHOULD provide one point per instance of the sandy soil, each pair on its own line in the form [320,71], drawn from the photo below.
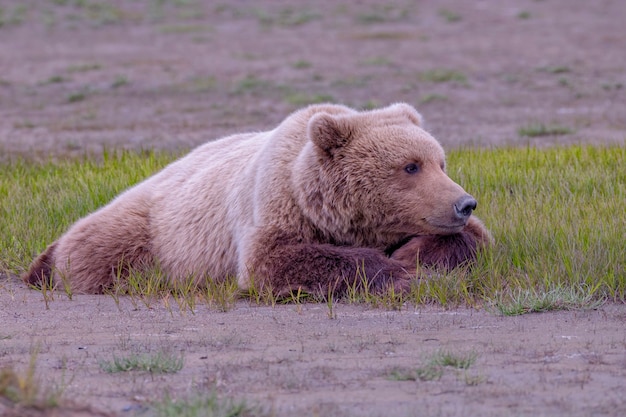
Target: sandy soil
[295,360]
[79,76]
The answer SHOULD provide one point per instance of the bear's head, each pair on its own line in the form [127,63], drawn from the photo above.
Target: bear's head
[374,177]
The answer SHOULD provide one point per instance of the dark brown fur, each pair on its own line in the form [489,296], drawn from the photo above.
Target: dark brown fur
[40,272]
[444,252]
[104,264]
[318,268]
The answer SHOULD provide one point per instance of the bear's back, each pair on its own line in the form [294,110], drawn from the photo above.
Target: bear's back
[196,204]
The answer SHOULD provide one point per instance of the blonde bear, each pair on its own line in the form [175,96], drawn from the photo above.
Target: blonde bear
[331,198]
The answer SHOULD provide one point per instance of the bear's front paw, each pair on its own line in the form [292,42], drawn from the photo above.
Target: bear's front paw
[437,251]
[407,254]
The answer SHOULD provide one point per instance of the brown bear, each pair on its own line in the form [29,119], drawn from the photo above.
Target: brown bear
[330,198]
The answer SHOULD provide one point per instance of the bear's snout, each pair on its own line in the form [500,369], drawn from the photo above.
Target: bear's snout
[464,206]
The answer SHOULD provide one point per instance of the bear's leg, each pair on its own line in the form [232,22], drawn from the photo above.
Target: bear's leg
[96,256]
[41,270]
[320,268]
[97,251]
[445,251]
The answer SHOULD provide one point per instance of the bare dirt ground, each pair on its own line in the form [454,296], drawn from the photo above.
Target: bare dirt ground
[295,360]
[78,76]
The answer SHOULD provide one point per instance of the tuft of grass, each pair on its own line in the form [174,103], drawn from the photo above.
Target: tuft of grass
[557,69]
[79,95]
[119,81]
[454,288]
[450,16]
[540,129]
[525,301]
[428,372]
[286,17]
[370,18]
[330,304]
[24,389]
[55,79]
[303,99]
[251,83]
[15,17]
[382,13]
[84,67]
[434,367]
[150,285]
[454,359]
[370,104]
[609,86]
[379,61]
[302,64]
[443,76]
[430,98]
[205,405]
[160,362]
[221,295]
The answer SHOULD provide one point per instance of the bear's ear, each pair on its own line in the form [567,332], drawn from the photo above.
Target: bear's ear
[409,112]
[329,132]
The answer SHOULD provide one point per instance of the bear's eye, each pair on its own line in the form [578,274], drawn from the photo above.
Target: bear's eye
[412,168]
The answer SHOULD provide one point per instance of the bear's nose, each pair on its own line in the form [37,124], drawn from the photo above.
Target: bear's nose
[464,206]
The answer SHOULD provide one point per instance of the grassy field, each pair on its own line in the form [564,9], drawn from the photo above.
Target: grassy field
[557,215]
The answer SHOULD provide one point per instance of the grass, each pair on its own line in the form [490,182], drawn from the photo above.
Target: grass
[540,129]
[24,389]
[252,84]
[443,76]
[77,96]
[530,301]
[382,13]
[301,64]
[557,216]
[43,199]
[303,99]
[55,79]
[430,98]
[84,67]
[378,61]
[454,359]
[119,81]
[450,16]
[286,17]
[160,362]
[557,69]
[205,405]
[13,17]
[435,365]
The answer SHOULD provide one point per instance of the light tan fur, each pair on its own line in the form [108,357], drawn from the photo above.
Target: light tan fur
[326,175]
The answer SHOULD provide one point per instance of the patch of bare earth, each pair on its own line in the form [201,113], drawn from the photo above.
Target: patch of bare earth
[77,77]
[295,360]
